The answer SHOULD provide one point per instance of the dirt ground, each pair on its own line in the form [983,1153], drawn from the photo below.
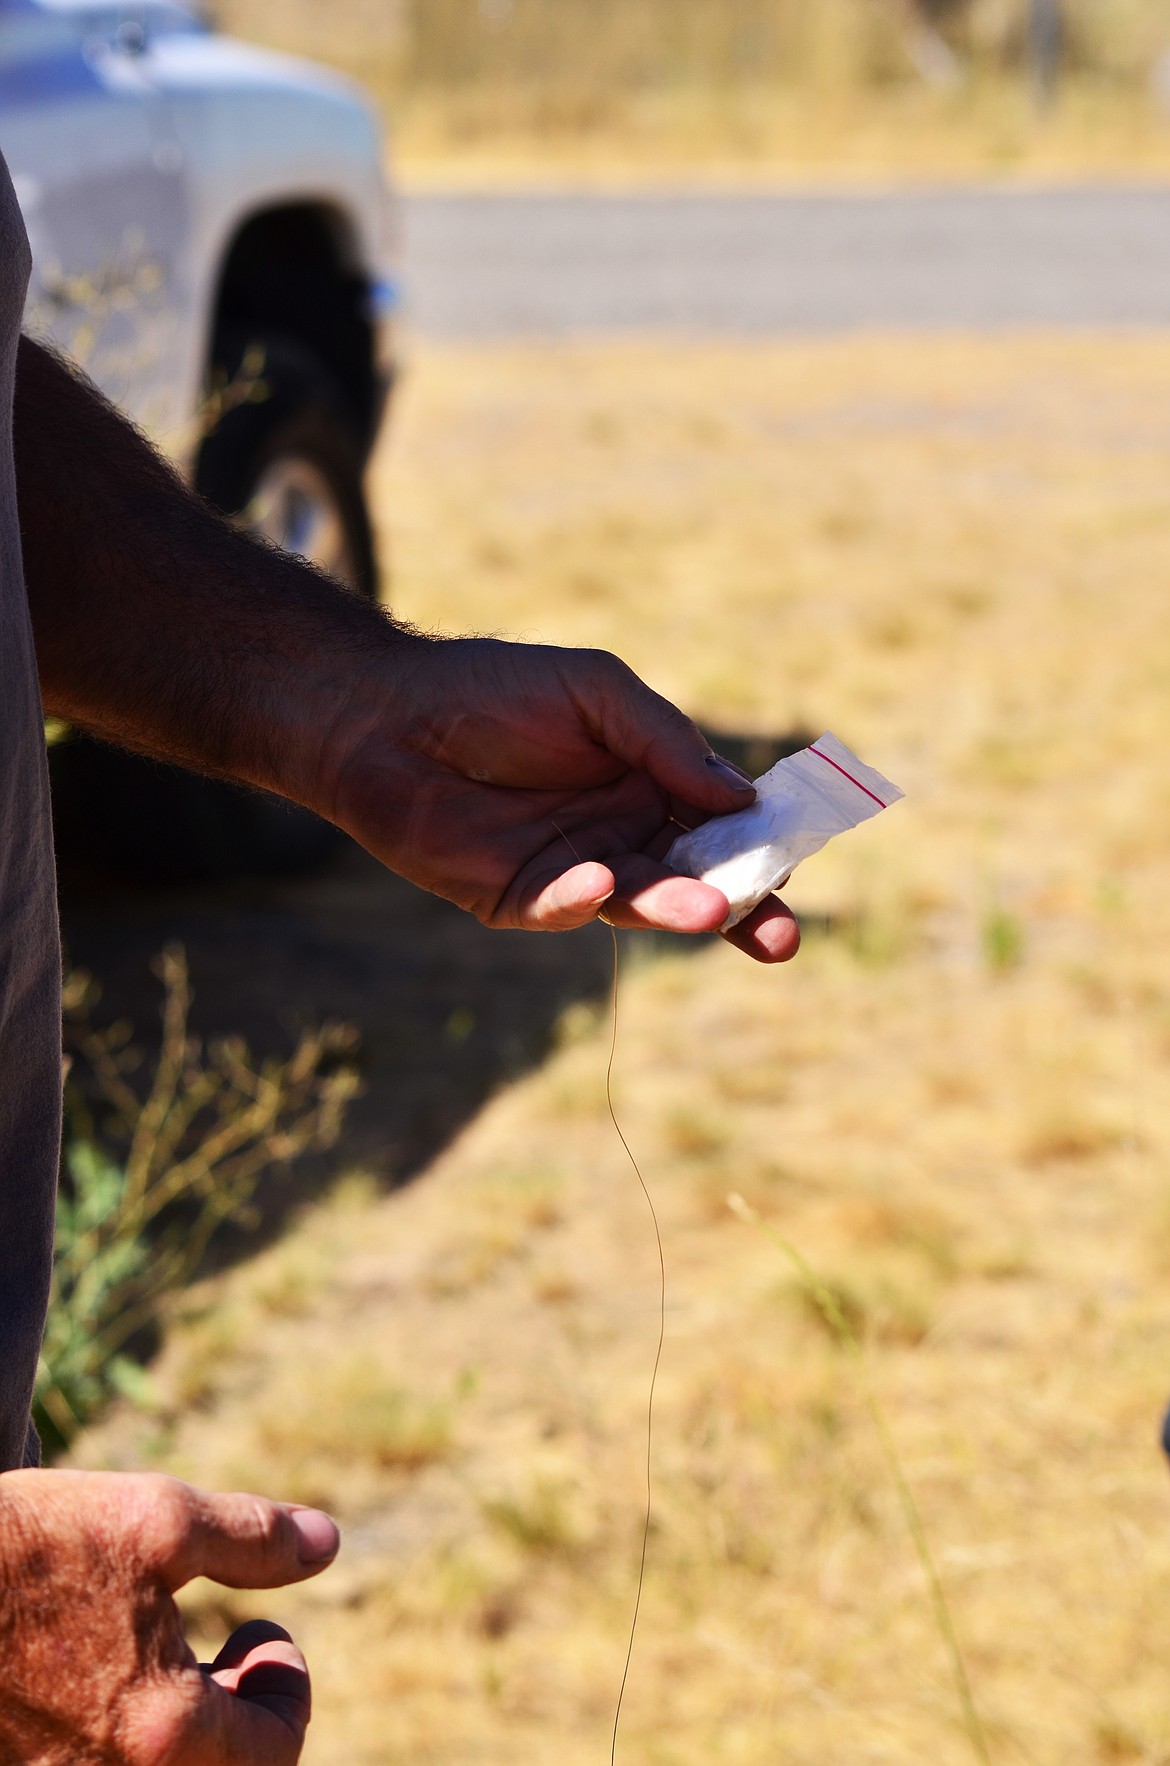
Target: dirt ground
[954,552]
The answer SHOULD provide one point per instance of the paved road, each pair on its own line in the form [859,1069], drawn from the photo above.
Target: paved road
[555,265]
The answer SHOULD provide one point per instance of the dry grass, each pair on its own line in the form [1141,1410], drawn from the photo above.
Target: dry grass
[956,553]
[763,137]
[524,91]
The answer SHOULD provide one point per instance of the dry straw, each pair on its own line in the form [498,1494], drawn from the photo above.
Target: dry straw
[824,1298]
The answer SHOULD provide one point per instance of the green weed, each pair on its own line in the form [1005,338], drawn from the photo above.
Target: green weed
[1002,939]
[149,1178]
[540,1520]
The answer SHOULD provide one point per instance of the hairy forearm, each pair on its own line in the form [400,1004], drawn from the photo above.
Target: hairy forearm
[160,626]
[529,784]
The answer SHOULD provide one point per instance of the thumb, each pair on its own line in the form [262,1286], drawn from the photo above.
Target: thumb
[238,1541]
[647,731]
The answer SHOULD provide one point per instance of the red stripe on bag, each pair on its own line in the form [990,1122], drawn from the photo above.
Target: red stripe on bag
[878,800]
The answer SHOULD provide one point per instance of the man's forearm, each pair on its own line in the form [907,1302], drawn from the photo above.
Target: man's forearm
[528,783]
[160,626]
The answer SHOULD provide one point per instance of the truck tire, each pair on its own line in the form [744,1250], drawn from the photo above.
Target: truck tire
[284,459]
[286,463]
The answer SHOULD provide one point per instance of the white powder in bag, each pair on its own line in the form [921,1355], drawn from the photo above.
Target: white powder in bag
[804,801]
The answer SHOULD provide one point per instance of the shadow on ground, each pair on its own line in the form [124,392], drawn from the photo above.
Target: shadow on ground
[447,1012]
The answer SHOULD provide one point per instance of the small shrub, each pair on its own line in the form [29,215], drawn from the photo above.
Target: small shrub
[541,1519]
[696,1134]
[1002,938]
[1068,1135]
[1119,1741]
[352,1412]
[144,1190]
[877,1311]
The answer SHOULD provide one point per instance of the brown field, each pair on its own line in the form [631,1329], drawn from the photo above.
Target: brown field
[506,139]
[956,554]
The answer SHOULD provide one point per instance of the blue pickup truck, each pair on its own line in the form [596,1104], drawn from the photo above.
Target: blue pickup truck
[214,244]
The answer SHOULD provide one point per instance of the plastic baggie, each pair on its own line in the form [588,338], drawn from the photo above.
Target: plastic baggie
[801,804]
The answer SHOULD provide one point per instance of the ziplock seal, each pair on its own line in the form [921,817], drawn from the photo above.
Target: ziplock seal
[813,749]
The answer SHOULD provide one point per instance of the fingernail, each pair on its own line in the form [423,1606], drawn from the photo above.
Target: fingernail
[731,775]
[317,1536]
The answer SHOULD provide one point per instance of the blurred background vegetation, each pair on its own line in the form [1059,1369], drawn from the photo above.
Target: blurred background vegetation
[925,82]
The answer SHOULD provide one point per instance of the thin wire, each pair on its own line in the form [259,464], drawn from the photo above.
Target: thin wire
[828,1303]
[617,1716]
[618,1130]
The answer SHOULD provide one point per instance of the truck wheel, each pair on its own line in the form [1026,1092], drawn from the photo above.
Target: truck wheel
[285,463]
[284,459]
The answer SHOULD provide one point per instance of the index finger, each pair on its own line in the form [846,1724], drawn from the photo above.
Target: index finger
[649,733]
[649,897]
[261,1664]
[193,1720]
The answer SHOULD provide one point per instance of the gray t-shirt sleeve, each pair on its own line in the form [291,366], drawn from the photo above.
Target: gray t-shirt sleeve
[30,952]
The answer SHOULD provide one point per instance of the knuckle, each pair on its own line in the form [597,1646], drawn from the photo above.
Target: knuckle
[675,721]
[268,1525]
[617,672]
[585,663]
[166,1513]
[171,1501]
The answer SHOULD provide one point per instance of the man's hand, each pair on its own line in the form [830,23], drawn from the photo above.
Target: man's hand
[536,787]
[94,1667]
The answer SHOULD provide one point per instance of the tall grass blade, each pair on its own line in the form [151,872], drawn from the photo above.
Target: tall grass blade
[830,1307]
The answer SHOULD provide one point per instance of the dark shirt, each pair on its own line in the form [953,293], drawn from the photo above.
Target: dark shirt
[30,954]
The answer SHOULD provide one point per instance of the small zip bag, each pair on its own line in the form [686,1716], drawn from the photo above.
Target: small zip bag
[801,804]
